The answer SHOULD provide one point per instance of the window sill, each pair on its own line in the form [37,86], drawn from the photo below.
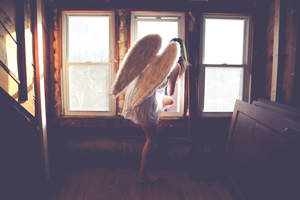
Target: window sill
[112,121]
[216,114]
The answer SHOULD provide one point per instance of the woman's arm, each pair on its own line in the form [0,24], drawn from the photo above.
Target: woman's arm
[172,79]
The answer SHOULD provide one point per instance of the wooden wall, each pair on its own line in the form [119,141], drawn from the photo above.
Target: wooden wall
[291,48]
[193,12]
[205,134]
[282,48]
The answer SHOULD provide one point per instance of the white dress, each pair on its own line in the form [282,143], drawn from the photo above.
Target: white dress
[147,113]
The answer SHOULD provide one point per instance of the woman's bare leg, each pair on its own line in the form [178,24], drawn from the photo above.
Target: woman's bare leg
[151,140]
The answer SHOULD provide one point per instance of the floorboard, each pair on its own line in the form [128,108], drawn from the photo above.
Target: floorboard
[121,184]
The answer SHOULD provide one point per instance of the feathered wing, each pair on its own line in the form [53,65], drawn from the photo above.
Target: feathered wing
[135,61]
[154,74]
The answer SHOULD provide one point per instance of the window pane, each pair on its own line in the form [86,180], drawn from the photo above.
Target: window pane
[89,88]
[88,39]
[166,29]
[8,54]
[222,87]
[224,41]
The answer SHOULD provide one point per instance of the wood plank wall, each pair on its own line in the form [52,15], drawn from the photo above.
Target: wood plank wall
[282,63]
[193,12]
[207,133]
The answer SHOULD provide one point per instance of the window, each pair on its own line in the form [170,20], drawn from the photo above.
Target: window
[224,62]
[88,63]
[167,25]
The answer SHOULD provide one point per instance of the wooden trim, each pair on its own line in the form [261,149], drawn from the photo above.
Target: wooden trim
[225,65]
[201,74]
[116,53]
[250,61]
[186,99]
[40,106]
[226,15]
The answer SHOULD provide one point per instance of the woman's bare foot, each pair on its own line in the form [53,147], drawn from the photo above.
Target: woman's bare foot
[148,179]
[167,101]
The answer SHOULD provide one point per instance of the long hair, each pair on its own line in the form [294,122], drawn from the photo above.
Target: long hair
[183,61]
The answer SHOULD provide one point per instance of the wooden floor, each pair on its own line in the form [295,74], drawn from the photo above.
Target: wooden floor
[121,184]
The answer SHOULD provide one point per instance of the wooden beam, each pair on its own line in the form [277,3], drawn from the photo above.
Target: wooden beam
[40,80]
[278,50]
[274,82]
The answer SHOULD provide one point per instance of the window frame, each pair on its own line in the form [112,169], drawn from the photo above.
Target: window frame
[163,16]
[246,65]
[65,64]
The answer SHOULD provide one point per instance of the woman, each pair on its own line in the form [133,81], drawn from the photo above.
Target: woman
[147,113]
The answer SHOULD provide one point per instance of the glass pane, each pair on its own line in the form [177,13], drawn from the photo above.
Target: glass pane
[8,54]
[89,88]
[88,39]
[224,41]
[166,29]
[222,87]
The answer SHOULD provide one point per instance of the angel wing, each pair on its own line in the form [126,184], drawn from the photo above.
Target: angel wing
[150,69]
[154,74]
[135,61]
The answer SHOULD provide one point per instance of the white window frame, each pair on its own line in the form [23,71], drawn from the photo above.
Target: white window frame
[164,16]
[245,65]
[65,64]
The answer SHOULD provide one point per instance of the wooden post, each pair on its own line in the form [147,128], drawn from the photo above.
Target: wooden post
[40,79]
[277,49]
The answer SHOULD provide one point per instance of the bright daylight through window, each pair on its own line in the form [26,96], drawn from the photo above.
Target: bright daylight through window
[168,26]
[87,63]
[225,61]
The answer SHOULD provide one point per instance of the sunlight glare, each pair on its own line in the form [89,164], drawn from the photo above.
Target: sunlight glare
[224,41]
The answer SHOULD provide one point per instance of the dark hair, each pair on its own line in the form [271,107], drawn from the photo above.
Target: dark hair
[183,57]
